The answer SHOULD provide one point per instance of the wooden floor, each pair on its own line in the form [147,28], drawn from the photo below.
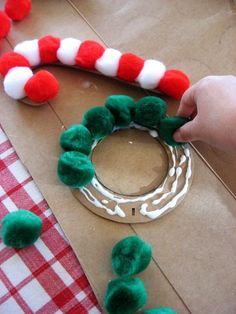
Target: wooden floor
[194,248]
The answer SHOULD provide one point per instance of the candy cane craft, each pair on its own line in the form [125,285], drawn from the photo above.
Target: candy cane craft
[19,80]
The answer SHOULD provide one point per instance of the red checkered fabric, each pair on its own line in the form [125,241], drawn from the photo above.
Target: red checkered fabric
[45,277]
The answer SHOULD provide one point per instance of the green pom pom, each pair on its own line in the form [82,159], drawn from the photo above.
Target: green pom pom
[167,128]
[77,138]
[99,121]
[20,228]
[122,107]
[131,256]
[160,310]
[125,296]
[75,169]
[149,111]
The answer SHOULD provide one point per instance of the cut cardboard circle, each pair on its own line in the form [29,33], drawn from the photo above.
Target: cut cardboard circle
[147,202]
[137,160]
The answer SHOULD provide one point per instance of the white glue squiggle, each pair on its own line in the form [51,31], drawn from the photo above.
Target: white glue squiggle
[156,196]
[175,184]
[118,211]
[182,160]
[172,170]
[105,202]
[156,213]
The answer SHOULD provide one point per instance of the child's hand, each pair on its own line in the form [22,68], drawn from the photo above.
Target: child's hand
[211,103]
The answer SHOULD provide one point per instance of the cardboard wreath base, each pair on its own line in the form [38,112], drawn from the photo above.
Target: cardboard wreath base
[138,177]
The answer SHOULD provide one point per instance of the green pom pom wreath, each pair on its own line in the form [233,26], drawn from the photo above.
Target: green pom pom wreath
[77,138]
[149,111]
[122,107]
[125,296]
[75,169]
[99,121]
[131,256]
[20,228]
[167,128]
[160,310]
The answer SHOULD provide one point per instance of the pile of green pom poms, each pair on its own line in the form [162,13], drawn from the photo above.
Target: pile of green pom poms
[20,228]
[125,296]
[75,168]
[131,256]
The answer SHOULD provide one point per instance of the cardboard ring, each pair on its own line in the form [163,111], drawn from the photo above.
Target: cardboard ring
[102,201]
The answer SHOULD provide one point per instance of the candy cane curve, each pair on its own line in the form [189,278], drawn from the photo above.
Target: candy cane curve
[20,81]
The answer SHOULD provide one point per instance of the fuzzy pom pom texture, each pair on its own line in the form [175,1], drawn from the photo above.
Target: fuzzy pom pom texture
[130,256]
[15,10]
[5,23]
[122,108]
[20,228]
[160,310]
[41,87]
[99,121]
[125,296]
[167,128]
[149,111]
[77,138]
[92,56]
[75,168]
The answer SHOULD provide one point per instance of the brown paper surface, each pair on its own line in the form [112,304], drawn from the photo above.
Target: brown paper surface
[195,36]
[194,247]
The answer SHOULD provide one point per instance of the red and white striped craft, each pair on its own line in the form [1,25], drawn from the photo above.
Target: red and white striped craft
[20,81]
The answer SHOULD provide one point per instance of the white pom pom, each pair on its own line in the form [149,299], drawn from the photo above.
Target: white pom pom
[151,74]
[68,50]
[109,62]
[30,50]
[15,80]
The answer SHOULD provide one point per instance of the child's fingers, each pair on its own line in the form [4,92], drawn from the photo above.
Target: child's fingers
[187,104]
[187,133]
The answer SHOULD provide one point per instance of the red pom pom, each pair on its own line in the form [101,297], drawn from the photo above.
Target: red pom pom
[129,67]
[5,25]
[174,83]
[48,47]
[10,60]
[41,87]
[17,9]
[89,52]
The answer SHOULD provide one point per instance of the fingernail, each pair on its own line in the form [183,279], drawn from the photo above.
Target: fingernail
[177,136]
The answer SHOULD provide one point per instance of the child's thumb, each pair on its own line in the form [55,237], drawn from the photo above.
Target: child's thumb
[186,133]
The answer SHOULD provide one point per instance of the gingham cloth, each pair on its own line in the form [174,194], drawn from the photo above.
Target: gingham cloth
[45,277]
